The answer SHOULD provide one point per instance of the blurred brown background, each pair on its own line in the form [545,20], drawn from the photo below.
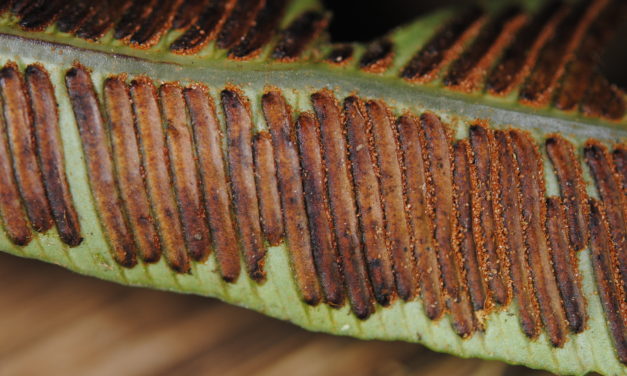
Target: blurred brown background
[54,322]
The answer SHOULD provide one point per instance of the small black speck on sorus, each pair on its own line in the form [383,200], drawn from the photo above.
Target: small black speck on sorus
[463,176]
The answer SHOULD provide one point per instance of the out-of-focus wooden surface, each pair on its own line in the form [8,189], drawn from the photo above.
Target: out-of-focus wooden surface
[54,322]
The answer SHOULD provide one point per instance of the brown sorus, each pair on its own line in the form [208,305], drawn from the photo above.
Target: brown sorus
[519,57]
[603,99]
[204,29]
[188,13]
[238,22]
[443,47]
[298,35]
[566,265]
[581,70]
[100,165]
[156,24]
[342,203]
[414,183]
[37,18]
[510,216]
[128,167]
[620,164]
[531,177]
[311,260]
[50,154]
[572,188]
[267,189]
[186,181]
[552,59]
[610,191]
[320,222]
[604,258]
[72,17]
[340,54]
[483,165]
[262,31]
[239,129]
[464,237]
[466,72]
[378,56]
[368,198]
[151,138]
[132,18]
[208,145]
[101,19]
[439,174]
[13,216]
[19,128]
[383,141]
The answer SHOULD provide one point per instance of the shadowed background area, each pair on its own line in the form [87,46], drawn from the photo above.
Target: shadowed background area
[55,322]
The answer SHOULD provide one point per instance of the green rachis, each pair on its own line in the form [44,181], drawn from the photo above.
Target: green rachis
[459,182]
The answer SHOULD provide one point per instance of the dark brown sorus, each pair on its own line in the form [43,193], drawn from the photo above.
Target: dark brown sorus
[312,252]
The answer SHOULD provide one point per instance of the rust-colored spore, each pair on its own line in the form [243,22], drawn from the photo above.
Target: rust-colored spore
[320,222]
[264,28]
[464,236]
[466,72]
[521,54]
[555,54]
[239,21]
[295,39]
[603,256]
[443,47]
[208,145]
[572,188]
[205,28]
[531,175]
[368,198]
[483,169]
[342,203]
[19,128]
[185,177]
[421,226]
[610,191]
[50,154]
[510,215]
[311,256]
[151,138]
[378,56]
[566,265]
[267,189]
[439,174]
[99,164]
[383,141]
[11,212]
[239,128]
